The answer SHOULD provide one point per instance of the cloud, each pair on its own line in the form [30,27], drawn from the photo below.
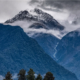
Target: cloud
[1,77]
[31,31]
[55,33]
[9,8]
[15,76]
[57,8]
[59,4]
[72,6]
[65,11]
[35,75]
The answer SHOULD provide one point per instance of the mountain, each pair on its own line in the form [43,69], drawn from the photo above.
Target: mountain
[40,19]
[48,42]
[68,52]
[39,25]
[18,51]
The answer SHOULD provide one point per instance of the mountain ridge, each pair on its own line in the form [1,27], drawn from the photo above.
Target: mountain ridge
[40,16]
[18,51]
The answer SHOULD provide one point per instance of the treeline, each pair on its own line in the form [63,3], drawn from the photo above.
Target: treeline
[30,76]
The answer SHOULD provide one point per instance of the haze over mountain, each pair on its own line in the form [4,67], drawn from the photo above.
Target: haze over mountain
[18,51]
[37,21]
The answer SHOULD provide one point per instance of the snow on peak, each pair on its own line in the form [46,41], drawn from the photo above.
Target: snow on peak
[36,15]
[36,20]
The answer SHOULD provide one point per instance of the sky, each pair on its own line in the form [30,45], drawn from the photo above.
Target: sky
[66,12]
[9,8]
[59,9]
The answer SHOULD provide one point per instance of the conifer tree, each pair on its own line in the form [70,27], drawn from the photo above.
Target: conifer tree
[31,75]
[48,76]
[22,75]
[39,77]
[8,76]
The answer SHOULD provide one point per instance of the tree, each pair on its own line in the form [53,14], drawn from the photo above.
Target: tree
[39,77]
[31,75]
[8,76]
[22,75]
[48,76]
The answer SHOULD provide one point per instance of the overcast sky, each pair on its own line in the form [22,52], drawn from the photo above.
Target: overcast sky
[65,11]
[8,8]
[60,9]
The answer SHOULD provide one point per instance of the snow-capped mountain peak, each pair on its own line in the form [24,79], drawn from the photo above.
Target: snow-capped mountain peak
[37,15]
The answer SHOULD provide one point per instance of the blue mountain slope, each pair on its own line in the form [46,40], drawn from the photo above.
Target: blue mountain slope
[68,52]
[18,51]
[48,42]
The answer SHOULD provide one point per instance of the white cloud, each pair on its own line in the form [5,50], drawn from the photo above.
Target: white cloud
[9,8]
[12,7]
[36,75]
[31,31]
[15,76]
[65,11]
[1,77]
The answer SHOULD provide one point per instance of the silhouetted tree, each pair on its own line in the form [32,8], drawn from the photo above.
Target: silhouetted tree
[8,76]
[39,77]
[22,75]
[31,75]
[48,76]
